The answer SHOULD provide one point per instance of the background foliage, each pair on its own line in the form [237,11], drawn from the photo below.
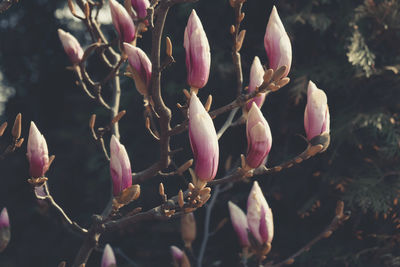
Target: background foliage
[349,48]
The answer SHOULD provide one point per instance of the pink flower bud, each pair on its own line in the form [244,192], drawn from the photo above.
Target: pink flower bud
[259,138]
[177,254]
[108,259]
[140,7]
[5,233]
[277,43]
[316,114]
[37,152]
[256,79]
[120,167]
[4,220]
[203,140]
[259,216]
[239,223]
[198,57]
[71,46]
[122,22]
[141,67]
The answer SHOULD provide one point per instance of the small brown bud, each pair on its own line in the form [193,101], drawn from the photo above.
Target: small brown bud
[186,93]
[283,82]
[161,189]
[232,29]
[16,130]
[92,121]
[181,202]
[63,263]
[168,46]
[87,10]
[118,117]
[207,106]
[268,75]
[327,234]
[3,128]
[240,39]
[190,186]
[188,229]
[278,74]
[289,261]
[19,143]
[241,17]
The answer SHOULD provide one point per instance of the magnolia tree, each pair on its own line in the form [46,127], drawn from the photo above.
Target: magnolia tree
[255,228]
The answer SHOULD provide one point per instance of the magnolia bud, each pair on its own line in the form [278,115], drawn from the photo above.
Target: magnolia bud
[259,138]
[259,216]
[316,114]
[256,79]
[71,46]
[203,140]
[239,223]
[179,257]
[277,43]
[120,167]
[37,153]
[122,22]
[141,67]
[198,57]
[188,229]
[140,8]
[108,259]
[5,233]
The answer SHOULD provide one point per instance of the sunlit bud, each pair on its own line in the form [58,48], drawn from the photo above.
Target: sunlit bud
[188,228]
[198,57]
[179,257]
[239,222]
[259,138]
[122,22]
[259,216]
[141,67]
[256,79]
[316,114]
[5,233]
[37,152]
[71,46]
[203,140]
[140,8]
[120,167]
[108,259]
[277,43]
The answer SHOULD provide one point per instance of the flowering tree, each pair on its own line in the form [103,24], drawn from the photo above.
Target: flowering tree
[131,20]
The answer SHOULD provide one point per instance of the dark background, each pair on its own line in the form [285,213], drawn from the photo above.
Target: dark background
[350,49]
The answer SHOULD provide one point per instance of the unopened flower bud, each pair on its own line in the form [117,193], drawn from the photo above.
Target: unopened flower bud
[108,259]
[71,46]
[141,67]
[179,257]
[140,8]
[259,138]
[120,167]
[259,216]
[239,223]
[5,232]
[122,22]
[256,79]
[277,43]
[188,228]
[37,153]
[316,114]
[198,57]
[203,140]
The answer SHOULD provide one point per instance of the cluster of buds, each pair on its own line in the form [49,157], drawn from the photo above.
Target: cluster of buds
[204,142]
[5,233]
[108,259]
[256,229]
[198,57]
[259,138]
